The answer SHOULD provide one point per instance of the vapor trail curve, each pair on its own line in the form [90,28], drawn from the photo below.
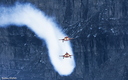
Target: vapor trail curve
[45,28]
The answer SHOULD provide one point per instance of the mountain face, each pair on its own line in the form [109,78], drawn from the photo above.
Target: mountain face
[100,47]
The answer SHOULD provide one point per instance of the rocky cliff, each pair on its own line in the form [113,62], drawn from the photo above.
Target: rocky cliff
[100,45]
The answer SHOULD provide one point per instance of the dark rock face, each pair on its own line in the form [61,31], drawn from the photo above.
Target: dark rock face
[100,48]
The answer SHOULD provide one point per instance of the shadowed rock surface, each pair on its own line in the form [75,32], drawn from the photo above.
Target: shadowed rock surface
[100,47]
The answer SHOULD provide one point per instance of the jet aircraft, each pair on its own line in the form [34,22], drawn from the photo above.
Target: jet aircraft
[66,39]
[66,55]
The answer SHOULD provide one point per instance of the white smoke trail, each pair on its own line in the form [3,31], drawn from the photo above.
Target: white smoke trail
[45,28]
